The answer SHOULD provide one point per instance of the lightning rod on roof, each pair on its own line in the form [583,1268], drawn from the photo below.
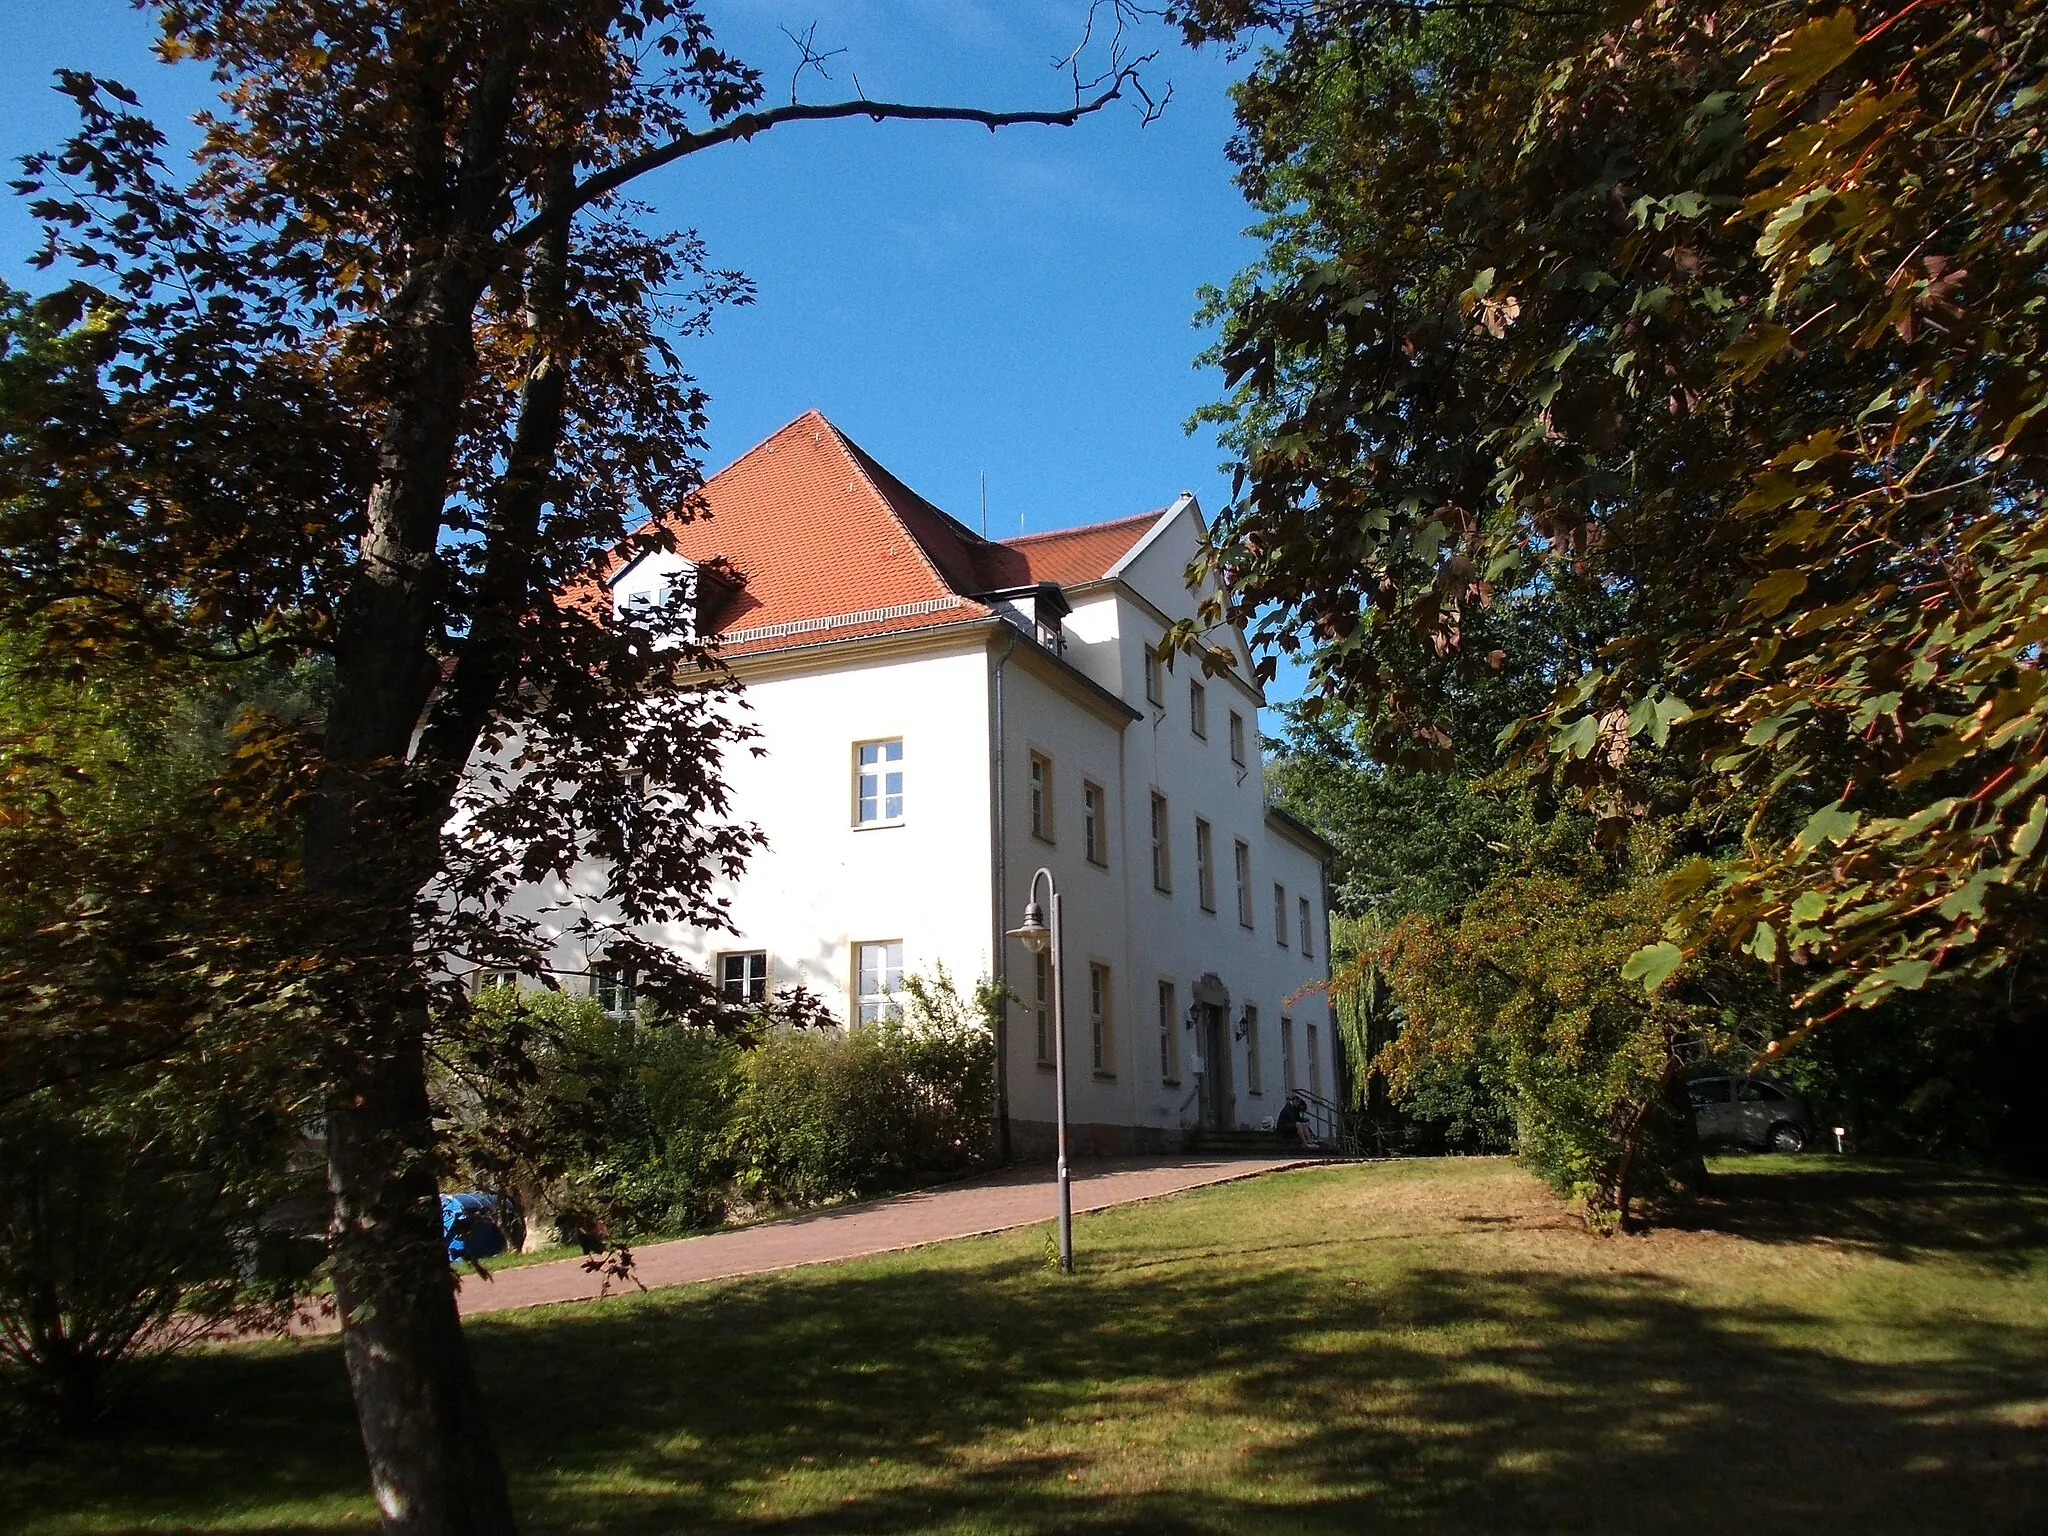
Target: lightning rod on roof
[984,503]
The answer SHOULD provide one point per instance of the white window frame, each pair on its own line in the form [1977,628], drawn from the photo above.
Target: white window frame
[880,771]
[486,977]
[1315,1065]
[1280,914]
[1254,1075]
[1205,865]
[1237,738]
[1287,1052]
[1241,859]
[1155,690]
[1198,708]
[1102,1018]
[749,983]
[1094,824]
[871,1007]
[1041,782]
[611,988]
[1162,845]
[1307,925]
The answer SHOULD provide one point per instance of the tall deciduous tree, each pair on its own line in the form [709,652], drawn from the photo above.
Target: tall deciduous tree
[1728,316]
[384,383]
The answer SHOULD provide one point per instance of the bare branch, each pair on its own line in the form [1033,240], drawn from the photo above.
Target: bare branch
[747,124]
[810,58]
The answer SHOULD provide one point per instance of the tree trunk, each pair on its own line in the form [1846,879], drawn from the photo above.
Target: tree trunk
[432,1464]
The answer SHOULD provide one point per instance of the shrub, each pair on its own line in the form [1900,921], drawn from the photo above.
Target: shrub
[129,1227]
[829,1113]
[598,1124]
[650,1128]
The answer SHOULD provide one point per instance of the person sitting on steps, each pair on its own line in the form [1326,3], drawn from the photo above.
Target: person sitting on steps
[1293,1122]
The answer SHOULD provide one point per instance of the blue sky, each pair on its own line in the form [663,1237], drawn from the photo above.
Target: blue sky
[958,302]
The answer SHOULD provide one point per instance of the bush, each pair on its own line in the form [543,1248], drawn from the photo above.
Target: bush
[130,1227]
[826,1114]
[654,1129]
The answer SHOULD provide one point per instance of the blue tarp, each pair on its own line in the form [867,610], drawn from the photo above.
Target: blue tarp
[469,1223]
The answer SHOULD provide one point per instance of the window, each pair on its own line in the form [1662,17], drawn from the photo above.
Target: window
[1094,832]
[1252,1074]
[1244,884]
[1169,1036]
[1205,872]
[1280,914]
[878,980]
[1041,797]
[1155,693]
[1198,709]
[612,986]
[1101,1038]
[1306,928]
[636,783]
[1041,1005]
[878,788]
[743,976]
[484,979]
[1710,1090]
[1162,859]
[1287,1052]
[1315,1074]
[1758,1093]
[1237,738]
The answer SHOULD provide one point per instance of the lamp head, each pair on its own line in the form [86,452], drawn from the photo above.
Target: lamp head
[1034,935]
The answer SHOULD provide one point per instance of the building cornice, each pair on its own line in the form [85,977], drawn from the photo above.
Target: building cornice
[1300,833]
[979,633]
[1116,586]
[1077,685]
[863,650]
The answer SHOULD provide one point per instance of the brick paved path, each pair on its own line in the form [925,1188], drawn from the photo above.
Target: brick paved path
[1018,1197]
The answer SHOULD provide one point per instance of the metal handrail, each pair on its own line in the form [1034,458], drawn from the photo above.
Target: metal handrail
[1329,1124]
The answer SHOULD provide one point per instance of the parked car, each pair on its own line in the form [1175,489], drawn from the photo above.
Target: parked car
[469,1223]
[1750,1112]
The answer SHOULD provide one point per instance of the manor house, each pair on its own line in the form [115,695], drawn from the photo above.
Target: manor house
[942,715]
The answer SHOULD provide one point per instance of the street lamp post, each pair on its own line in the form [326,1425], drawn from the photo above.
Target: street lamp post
[1040,940]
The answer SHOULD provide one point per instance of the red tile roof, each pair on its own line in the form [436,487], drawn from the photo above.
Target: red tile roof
[832,546]
[1070,556]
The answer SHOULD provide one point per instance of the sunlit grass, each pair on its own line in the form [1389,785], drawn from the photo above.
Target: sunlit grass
[1409,1347]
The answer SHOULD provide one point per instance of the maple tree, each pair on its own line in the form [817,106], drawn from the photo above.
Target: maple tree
[1727,316]
[384,383]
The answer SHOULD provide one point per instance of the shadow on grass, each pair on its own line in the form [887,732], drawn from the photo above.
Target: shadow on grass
[1900,1211]
[1433,1399]
[1306,1391]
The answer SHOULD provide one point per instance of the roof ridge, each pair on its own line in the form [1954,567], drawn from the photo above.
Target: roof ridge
[860,458]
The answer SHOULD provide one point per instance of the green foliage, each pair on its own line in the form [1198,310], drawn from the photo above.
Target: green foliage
[134,1217]
[148,1121]
[825,1114]
[646,1128]
[1525,986]
[1407,840]
[1707,343]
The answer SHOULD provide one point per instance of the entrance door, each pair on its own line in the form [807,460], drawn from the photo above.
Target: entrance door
[1219,1097]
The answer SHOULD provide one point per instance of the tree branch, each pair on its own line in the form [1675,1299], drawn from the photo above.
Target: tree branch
[748,124]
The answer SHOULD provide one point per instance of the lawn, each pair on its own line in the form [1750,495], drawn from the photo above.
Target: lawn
[1435,1346]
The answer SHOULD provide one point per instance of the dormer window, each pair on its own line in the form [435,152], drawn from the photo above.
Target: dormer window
[659,592]
[1037,610]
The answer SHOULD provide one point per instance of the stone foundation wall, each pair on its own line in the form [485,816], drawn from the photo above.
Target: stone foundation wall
[1037,1141]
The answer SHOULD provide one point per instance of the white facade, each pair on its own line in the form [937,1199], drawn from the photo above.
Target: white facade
[1180,1011]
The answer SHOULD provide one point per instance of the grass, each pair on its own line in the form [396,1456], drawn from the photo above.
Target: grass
[1421,1347]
